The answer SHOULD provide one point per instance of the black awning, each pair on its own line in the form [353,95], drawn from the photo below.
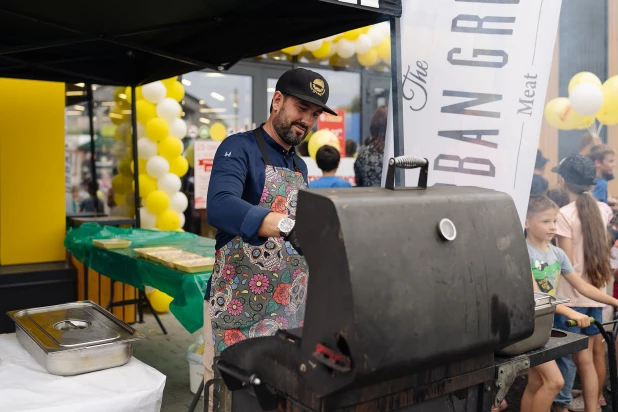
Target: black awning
[133,42]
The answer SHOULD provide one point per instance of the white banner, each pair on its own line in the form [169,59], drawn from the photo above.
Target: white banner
[475,74]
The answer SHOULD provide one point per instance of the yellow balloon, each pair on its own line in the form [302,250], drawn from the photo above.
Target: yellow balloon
[147,184]
[118,185]
[179,166]
[353,34]
[127,182]
[138,93]
[323,51]
[168,82]
[608,115]
[120,97]
[559,114]
[170,147]
[160,301]
[321,138]
[117,116]
[157,129]
[190,156]
[293,50]
[584,77]
[120,199]
[368,59]
[168,220]
[175,91]
[157,202]
[146,111]
[141,164]
[218,132]
[384,48]
[124,167]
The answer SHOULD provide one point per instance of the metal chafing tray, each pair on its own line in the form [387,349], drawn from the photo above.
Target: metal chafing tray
[74,338]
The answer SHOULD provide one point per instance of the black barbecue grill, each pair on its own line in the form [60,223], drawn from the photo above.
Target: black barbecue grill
[411,292]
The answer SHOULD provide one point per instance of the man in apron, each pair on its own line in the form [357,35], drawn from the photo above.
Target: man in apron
[259,280]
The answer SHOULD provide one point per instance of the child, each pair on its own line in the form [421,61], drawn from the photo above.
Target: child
[582,234]
[328,159]
[604,160]
[549,264]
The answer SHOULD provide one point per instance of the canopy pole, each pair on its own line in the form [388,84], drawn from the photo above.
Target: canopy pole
[397,76]
[135,156]
[93,150]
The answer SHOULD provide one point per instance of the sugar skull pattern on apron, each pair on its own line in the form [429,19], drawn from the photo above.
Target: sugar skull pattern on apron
[258,289]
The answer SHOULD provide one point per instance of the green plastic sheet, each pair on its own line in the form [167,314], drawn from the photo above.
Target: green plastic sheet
[125,266]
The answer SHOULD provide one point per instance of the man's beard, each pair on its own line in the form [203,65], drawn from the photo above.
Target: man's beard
[284,129]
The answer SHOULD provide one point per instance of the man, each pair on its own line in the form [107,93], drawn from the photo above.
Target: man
[604,160]
[539,183]
[328,159]
[259,281]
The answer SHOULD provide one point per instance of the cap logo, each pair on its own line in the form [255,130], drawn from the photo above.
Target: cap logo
[317,87]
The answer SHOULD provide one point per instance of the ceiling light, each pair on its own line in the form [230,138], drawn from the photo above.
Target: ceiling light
[186,82]
[217,96]
[78,107]
[213,110]
[204,120]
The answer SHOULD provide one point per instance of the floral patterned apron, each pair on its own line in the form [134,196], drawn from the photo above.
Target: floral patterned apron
[258,289]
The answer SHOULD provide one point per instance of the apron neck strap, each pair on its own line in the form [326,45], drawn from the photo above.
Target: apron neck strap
[261,142]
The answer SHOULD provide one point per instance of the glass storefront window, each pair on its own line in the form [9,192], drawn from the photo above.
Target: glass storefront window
[217,98]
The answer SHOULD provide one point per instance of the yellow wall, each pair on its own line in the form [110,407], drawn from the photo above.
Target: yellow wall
[32,192]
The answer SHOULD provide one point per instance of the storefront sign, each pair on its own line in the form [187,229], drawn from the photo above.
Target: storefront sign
[335,124]
[204,156]
[345,171]
[475,74]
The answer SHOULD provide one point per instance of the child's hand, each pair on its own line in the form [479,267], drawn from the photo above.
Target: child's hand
[582,320]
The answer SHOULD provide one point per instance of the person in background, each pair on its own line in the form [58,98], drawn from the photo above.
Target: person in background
[559,196]
[604,159]
[328,159]
[539,183]
[350,148]
[368,164]
[87,205]
[549,264]
[588,141]
[582,234]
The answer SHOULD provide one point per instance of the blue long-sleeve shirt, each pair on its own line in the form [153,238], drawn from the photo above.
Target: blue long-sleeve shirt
[236,186]
[600,190]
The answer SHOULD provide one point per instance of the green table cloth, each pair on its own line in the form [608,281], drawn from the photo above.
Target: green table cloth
[125,266]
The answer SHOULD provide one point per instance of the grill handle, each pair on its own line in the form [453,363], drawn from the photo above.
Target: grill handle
[407,162]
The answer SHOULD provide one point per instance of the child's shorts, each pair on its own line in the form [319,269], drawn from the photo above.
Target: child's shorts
[592,330]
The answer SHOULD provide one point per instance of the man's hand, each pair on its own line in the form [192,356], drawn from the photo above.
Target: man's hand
[269,228]
[583,321]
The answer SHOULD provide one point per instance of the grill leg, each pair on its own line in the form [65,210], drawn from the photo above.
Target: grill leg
[144,298]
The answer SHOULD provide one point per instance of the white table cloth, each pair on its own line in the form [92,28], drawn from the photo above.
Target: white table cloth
[25,385]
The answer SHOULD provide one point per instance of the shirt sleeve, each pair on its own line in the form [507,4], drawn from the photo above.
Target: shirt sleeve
[564,227]
[227,211]
[357,173]
[600,190]
[565,264]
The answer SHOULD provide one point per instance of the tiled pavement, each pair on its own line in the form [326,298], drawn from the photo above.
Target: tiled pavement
[166,353]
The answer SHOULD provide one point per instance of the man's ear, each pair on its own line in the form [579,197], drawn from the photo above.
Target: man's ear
[277,101]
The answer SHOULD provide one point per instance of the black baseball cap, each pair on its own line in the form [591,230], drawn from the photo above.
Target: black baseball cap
[306,85]
[578,170]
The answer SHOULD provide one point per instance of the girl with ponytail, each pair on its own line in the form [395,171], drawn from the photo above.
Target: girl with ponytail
[582,234]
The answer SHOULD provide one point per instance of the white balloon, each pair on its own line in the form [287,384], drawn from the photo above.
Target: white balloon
[363,44]
[586,99]
[168,109]
[157,166]
[385,27]
[154,92]
[141,130]
[147,219]
[296,51]
[313,45]
[146,148]
[333,50]
[181,216]
[376,36]
[178,128]
[179,202]
[169,183]
[345,48]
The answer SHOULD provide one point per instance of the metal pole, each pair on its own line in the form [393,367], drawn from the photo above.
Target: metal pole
[398,144]
[135,157]
[93,150]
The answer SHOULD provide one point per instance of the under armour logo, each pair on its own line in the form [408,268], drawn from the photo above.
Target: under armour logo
[228,154]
